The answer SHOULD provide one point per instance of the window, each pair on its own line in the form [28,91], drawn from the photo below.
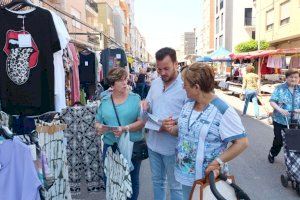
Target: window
[284,13]
[216,44]
[221,41]
[253,35]
[217,6]
[248,16]
[217,25]
[221,4]
[270,20]
[222,21]
[76,14]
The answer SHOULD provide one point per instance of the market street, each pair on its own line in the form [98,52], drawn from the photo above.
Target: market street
[252,171]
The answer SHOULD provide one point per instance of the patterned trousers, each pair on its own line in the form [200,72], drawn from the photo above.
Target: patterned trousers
[83,148]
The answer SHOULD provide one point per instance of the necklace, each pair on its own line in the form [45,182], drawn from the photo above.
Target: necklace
[200,114]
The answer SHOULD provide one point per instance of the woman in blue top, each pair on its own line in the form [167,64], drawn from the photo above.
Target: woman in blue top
[205,127]
[128,108]
[286,102]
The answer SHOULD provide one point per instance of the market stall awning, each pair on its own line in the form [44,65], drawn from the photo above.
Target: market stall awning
[204,59]
[221,54]
[263,53]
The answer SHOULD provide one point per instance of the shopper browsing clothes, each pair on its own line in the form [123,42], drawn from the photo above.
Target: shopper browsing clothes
[165,100]
[205,127]
[250,86]
[127,105]
[286,103]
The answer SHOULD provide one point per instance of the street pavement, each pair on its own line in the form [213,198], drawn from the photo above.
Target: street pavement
[252,171]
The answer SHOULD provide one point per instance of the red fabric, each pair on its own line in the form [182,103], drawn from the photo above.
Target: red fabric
[75,93]
[264,69]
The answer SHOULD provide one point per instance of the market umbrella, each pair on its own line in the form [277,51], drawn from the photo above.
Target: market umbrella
[204,59]
[221,54]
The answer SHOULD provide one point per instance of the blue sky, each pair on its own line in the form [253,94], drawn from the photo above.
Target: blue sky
[162,22]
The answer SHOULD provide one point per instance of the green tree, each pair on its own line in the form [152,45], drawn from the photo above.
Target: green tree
[251,45]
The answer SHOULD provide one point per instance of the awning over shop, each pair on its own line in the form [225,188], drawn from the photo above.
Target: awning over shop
[263,53]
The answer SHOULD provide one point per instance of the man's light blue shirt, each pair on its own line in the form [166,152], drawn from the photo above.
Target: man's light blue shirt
[164,104]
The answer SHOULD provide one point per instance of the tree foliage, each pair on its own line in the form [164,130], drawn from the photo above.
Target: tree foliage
[251,45]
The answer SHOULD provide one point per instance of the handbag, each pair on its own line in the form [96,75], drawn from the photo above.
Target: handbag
[223,188]
[140,149]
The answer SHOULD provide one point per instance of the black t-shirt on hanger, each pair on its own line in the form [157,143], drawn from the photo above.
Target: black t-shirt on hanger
[26,65]
[87,68]
[112,58]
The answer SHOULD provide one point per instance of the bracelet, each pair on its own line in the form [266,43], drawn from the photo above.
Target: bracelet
[221,163]
[127,128]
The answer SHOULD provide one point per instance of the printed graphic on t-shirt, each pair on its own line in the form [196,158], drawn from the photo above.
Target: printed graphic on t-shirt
[114,62]
[19,59]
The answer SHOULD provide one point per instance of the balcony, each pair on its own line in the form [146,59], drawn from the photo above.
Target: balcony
[92,7]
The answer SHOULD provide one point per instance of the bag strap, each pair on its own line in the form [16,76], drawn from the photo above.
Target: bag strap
[115,110]
[293,104]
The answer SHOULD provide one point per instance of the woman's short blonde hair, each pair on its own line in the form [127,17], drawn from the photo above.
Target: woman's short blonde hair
[201,74]
[116,74]
[250,69]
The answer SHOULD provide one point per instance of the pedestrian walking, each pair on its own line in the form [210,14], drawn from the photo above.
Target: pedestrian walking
[205,127]
[165,100]
[286,102]
[250,87]
[125,114]
[141,83]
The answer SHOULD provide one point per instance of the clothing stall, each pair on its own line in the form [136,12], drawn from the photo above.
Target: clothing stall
[45,141]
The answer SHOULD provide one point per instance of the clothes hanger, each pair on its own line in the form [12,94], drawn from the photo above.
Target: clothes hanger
[112,46]
[19,4]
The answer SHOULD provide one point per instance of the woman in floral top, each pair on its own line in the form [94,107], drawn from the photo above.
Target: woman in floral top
[286,102]
[205,127]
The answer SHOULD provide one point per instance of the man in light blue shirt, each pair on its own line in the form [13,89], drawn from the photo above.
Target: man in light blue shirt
[165,100]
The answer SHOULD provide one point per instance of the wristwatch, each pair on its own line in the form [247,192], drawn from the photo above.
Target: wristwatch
[221,163]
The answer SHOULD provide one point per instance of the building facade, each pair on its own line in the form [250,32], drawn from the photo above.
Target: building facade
[234,23]
[189,43]
[205,33]
[279,22]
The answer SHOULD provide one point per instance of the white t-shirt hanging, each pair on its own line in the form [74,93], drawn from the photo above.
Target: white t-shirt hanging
[59,72]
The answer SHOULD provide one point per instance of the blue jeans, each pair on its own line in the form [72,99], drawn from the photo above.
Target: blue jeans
[186,191]
[162,168]
[251,94]
[135,175]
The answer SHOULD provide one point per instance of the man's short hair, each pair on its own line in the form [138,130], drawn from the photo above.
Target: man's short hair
[162,53]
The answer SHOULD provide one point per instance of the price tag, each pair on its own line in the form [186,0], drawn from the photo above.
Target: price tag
[118,56]
[24,40]
[33,151]
[86,63]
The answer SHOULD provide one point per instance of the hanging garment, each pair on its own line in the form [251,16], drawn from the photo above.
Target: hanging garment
[59,72]
[75,91]
[54,147]
[276,61]
[295,61]
[112,58]
[264,69]
[83,148]
[18,176]
[117,171]
[68,66]
[87,68]
[26,61]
